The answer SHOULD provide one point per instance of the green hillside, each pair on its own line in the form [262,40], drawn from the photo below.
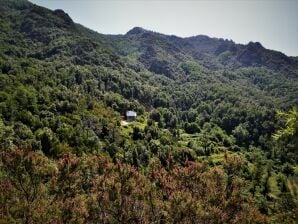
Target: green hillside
[214,141]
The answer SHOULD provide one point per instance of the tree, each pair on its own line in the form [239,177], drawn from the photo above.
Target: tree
[155,115]
[23,187]
[191,128]
[287,136]
[48,141]
[291,125]
[241,133]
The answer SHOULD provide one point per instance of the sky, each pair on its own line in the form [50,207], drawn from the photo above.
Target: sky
[273,23]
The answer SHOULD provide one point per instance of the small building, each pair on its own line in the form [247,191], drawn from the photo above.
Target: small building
[131,115]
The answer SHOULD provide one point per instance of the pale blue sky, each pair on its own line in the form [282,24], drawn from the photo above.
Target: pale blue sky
[274,23]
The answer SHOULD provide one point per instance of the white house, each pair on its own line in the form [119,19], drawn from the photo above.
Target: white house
[131,115]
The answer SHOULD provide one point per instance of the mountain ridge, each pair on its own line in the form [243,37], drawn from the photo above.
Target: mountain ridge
[250,54]
[215,53]
[209,143]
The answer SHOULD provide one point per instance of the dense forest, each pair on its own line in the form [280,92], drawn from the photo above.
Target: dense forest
[215,139]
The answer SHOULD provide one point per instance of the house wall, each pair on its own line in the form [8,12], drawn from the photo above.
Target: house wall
[130,118]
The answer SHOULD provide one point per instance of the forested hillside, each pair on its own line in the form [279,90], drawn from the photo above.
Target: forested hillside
[215,139]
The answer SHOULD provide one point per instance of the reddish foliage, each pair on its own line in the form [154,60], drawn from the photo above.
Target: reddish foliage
[92,189]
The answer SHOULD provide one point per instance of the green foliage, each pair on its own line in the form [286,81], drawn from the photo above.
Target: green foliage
[241,133]
[66,156]
[291,129]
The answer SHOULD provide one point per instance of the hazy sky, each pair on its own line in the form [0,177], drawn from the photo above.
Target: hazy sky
[274,23]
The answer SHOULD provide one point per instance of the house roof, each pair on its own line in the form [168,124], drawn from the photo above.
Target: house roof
[131,113]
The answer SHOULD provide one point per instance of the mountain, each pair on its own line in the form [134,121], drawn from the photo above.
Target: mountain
[157,49]
[171,55]
[214,141]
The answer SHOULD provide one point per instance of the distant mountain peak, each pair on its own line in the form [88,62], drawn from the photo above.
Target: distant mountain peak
[63,15]
[255,45]
[136,30]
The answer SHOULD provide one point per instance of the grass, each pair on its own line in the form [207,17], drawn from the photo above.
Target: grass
[274,189]
[293,186]
[127,127]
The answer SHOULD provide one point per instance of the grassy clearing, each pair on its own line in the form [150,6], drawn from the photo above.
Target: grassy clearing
[293,186]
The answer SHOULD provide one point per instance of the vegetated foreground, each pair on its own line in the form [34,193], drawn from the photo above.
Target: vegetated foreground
[210,143]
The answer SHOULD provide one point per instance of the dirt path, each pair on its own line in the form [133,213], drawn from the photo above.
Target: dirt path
[124,123]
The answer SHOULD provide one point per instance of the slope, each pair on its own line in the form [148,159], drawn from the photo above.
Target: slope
[64,87]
